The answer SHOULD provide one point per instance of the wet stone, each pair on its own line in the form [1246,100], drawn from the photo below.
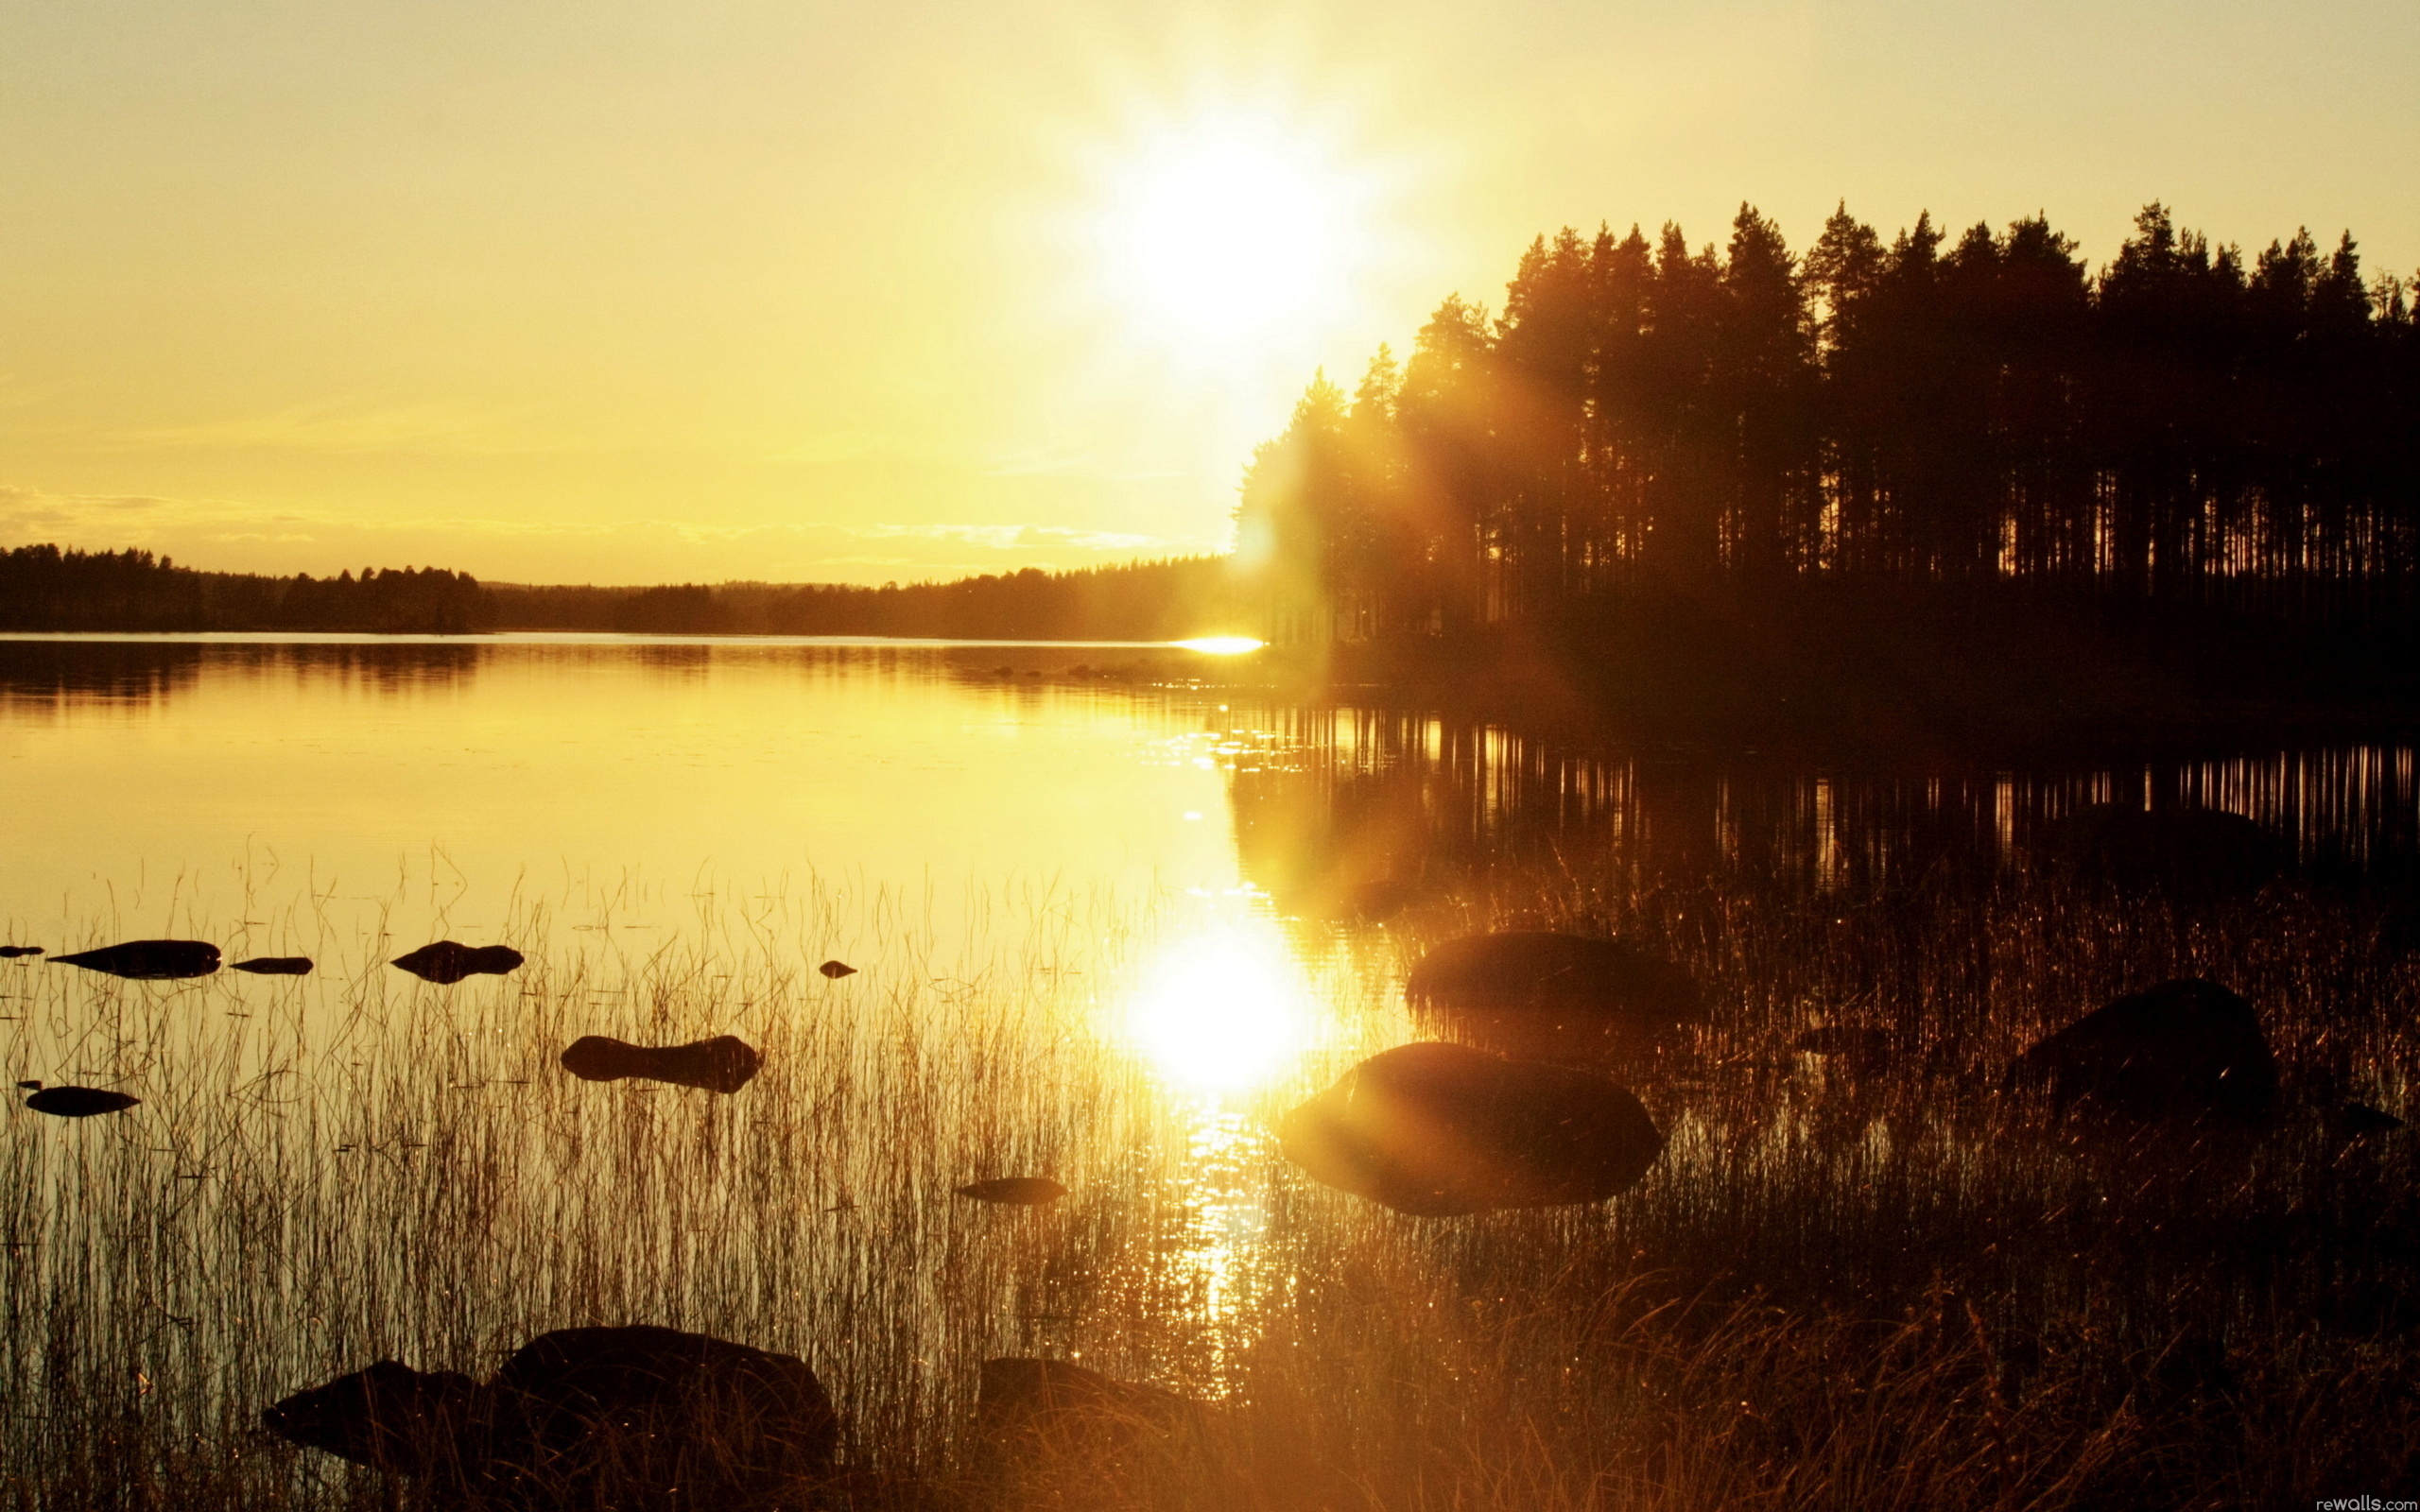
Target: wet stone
[1536,993]
[722,1064]
[80,1102]
[274,966]
[149,960]
[585,1416]
[1022,1191]
[2186,1049]
[446,962]
[1443,1129]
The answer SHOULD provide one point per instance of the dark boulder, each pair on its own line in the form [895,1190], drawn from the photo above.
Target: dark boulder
[389,1415]
[1022,1190]
[834,971]
[274,966]
[149,960]
[1440,1129]
[2187,1049]
[586,1417]
[2189,853]
[1538,992]
[722,1064]
[80,1102]
[446,962]
[2353,1121]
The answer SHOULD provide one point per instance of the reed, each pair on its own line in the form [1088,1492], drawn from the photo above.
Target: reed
[1882,1288]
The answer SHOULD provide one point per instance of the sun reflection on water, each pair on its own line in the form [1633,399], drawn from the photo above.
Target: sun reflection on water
[1223,645]
[1219,1019]
[1223,1012]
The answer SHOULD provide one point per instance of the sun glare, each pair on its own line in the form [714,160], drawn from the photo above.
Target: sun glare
[1222,1012]
[1223,645]
[1222,232]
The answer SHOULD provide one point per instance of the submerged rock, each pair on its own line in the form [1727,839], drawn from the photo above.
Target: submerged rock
[834,971]
[149,960]
[1534,992]
[78,1102]
[2186,1049]
[274,966]
[2193,852]
[722,1064]
[581,1417]
[446,962]
[1022,1190]
[1442,1129]
[2352,1120]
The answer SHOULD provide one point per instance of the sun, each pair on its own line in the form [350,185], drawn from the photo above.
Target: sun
[1225,231]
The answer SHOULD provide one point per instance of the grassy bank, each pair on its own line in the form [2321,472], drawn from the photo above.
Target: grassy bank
[1863,1286]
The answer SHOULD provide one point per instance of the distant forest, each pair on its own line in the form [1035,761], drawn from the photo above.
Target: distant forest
[2190,430]
[45,588]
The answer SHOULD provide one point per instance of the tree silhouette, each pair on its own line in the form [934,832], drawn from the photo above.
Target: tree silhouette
[2178,434]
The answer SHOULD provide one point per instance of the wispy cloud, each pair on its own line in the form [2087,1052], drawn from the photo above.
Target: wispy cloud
[1030,538]
[352,424]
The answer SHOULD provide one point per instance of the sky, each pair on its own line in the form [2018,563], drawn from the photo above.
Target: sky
[634,291]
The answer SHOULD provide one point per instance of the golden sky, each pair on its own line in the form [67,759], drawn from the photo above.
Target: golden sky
[630,290]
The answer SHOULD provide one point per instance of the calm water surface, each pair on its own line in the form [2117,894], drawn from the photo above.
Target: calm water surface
[155,785]
[1109,916]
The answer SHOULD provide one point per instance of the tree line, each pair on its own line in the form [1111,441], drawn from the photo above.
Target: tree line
[2188,426]
[47,588]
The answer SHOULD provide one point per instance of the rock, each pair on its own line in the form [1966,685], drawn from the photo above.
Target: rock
[1441,1129]
[834,971]
[10,953]
[722,1064]
[1024,1190]
[580,1417]
[149,960]
[389,1415]
[78,1102]
[2191,853]
[1532,993]
[446,962]
[2186,1049]
[1376,901]
[274,966]
[2352,1120]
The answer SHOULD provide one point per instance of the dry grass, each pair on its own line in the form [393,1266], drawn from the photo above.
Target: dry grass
[1884,1289]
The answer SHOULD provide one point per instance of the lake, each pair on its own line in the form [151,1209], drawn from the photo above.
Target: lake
[1112,909]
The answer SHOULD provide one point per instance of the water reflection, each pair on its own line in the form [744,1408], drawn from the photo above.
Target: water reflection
[1065,963]
[1349,815]
[175,788]
[1225,1010]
